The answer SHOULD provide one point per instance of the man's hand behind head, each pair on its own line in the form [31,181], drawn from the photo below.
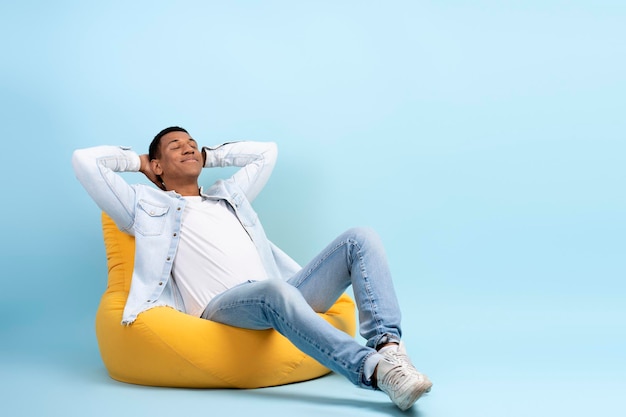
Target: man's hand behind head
[146,169]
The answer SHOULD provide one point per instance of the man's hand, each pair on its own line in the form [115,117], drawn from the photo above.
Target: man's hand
[146,169]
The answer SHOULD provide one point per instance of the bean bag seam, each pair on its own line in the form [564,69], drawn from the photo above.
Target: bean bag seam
[178,353]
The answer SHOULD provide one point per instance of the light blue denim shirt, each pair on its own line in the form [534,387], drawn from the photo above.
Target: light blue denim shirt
[154,216]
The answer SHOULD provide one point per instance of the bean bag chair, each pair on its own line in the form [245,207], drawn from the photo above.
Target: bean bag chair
[165,347]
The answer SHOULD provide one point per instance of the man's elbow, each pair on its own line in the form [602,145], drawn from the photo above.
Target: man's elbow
[78,160]
[272,152]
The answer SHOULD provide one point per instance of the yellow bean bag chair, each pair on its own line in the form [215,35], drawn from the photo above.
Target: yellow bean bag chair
[164,347]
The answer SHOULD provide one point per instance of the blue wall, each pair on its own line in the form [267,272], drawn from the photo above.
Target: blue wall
[484,140]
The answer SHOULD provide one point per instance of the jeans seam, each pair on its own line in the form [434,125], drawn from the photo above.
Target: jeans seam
[367,285]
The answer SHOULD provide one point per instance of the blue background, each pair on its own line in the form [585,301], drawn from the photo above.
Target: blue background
[484,140]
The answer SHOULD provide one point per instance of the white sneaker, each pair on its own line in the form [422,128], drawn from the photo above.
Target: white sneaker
[398,378]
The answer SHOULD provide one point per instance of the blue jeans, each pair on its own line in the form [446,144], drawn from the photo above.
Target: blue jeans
[355,258]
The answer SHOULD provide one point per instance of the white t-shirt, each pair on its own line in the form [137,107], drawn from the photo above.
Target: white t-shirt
[214,254]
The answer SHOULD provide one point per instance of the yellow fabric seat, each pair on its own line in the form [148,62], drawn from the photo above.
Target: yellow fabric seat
[164,347]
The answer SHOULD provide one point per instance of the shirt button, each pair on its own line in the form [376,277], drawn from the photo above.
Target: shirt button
[160,283]
[178,208]
[174,234]
[148,301]
[168,258]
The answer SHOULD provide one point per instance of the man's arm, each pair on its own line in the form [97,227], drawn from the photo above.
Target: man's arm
[257,160]
[96,169]
[146,169]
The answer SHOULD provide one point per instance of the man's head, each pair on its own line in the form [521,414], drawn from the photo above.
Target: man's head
[154,150]
[176,160]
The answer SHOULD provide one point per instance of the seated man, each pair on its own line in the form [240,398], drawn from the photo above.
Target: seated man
[204,252]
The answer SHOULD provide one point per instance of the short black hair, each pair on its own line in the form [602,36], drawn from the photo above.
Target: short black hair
[154,150]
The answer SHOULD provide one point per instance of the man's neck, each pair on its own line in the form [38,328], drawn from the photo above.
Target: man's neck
[184,190]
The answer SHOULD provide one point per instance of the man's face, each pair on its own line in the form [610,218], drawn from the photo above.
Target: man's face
[180,158]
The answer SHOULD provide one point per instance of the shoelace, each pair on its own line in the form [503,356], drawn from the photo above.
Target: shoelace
[404,363]
[403,358]
[396,376]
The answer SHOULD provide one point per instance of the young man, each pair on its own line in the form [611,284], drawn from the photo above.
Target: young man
[204,252]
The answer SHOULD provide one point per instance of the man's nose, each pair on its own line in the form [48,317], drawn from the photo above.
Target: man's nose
[187,148]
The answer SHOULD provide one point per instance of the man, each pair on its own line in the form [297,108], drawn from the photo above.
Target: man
[204,252]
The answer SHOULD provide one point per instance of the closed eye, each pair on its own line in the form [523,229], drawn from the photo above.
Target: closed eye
[176,144]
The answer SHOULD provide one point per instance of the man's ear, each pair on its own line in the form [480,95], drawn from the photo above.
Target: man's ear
[156,167]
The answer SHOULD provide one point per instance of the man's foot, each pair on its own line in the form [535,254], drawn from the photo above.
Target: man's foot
[398,378]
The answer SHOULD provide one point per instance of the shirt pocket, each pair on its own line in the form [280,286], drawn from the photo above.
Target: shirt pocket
[150,218]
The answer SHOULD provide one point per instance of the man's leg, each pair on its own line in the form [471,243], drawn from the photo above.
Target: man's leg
[356,258]
[276,304]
